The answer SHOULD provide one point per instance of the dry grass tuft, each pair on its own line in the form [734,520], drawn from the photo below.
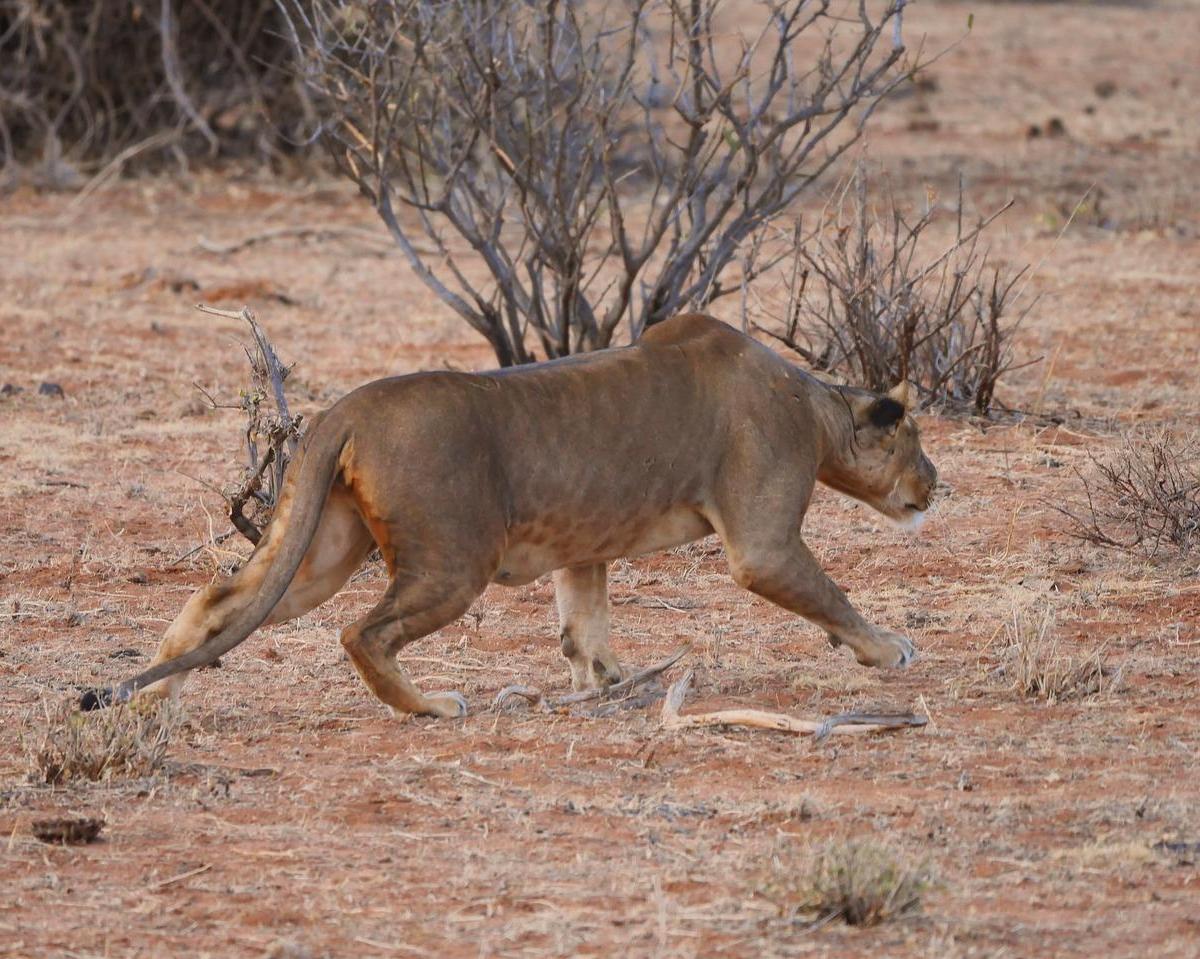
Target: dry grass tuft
[1144,496]
[861,883]
[121,741]
[1038,666]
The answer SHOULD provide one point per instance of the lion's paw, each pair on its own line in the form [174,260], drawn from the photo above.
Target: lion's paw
[451,705]
[887,650]
[598,671]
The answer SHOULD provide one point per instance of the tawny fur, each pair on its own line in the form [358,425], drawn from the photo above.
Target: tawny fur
[462,480]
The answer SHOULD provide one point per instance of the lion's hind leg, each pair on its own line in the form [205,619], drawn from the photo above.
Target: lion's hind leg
[340,545]
[412,607]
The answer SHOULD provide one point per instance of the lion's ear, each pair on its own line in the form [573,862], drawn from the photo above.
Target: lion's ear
[903,393]
[886,412]
[871,409]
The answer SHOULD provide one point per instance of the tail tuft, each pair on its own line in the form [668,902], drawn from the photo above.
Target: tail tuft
[93,699]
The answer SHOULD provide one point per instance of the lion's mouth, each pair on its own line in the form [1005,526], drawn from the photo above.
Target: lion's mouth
[911,518]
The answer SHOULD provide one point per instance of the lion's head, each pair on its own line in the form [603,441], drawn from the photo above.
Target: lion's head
[883,464]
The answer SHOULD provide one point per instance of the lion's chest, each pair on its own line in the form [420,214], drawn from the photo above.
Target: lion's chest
[541,546]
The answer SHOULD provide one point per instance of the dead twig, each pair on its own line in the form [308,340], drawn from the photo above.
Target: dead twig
[262,482]
[206,245]
[163,883]
[657,602]
[854,722]
[216,541]
[608,693]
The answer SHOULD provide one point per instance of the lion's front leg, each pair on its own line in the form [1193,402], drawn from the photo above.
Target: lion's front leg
[582,596]
[790,576]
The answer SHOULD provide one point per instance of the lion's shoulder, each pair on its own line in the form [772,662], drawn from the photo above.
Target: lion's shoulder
[716,346]
[690,326]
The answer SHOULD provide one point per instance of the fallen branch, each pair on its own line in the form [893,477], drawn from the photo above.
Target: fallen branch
[297,233]
[757,719]
[657,602]
[615,691]
[647,696]
[163,883]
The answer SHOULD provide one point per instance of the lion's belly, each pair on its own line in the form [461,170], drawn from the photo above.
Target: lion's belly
[539,549]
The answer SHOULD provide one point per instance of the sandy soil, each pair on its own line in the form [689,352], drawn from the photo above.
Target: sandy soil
[296,818]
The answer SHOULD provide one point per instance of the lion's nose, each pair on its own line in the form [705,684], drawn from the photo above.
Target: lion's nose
[937,491]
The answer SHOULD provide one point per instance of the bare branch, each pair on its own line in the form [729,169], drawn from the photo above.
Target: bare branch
[278,430]
[861,299]
[603,164]
[1144,496]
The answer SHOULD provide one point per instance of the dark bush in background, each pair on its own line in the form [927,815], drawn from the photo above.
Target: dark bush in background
[86,82]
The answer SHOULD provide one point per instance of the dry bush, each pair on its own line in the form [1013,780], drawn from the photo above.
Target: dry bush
[1143,496]
[862,883]
[605,164]
[866,298]
[82,83]
[272,433]
[1037,665]
[120,741]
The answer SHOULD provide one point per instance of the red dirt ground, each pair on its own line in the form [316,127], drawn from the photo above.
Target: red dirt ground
[297,818]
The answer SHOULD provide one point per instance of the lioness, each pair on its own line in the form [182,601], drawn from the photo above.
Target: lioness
[463,480]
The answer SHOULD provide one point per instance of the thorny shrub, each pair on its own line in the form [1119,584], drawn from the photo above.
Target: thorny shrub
[1143,496]
[605,164]
[866,298]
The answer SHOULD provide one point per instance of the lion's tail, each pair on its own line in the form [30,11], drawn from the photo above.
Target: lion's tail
[317,469]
